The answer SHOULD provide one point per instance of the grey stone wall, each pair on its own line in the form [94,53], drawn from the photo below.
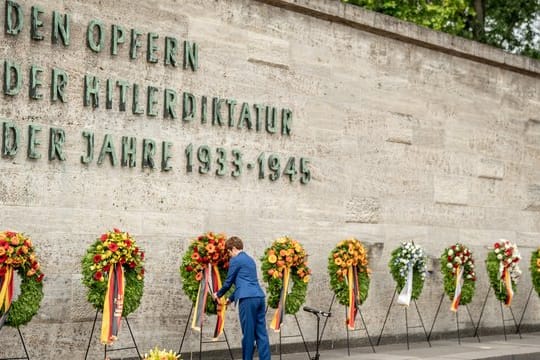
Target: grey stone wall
[411,134]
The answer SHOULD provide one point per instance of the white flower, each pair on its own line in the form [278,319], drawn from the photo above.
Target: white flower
[469,276]
[449,265]
[497,251]
[499,257]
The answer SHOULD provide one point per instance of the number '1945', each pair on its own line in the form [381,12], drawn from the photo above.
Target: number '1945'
[269,166]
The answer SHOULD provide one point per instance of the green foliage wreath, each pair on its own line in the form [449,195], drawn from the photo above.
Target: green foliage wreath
[111,248]
[348,253]
[17,252]
[408,254]
[286,252]
[535,270]
[206,249]
[452,257]
[504,254]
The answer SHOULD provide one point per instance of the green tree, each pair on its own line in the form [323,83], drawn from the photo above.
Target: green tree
[513,25]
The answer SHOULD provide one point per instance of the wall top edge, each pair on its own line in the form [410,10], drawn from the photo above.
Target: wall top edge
[387,26]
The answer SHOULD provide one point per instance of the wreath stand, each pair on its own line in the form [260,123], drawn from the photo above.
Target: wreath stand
[457,320]
[111,350]
[300,334]
[201,339]
[23,345]
[504,320]
[364,327]
[407,327]
[524,309]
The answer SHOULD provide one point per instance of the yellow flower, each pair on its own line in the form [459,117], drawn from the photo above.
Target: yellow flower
[272,259]
[306,278]
[338,261]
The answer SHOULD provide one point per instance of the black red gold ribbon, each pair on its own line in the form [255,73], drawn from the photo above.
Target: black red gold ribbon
[210,283]
[354,296]
[113,305]
[279,314]
[6,293]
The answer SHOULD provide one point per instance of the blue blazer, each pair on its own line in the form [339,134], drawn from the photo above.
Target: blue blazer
[243,274]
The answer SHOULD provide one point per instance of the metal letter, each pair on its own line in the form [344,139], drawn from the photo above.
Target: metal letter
[12,74]
[58,85]
[93,26]
[60,30]
[129,151]
[191,56]
[245,117]
[286,120]
[271,119]
[36,23]
[188,107]
[91,91]
[135,105]
[57,138]
[149,150]
[151,101]
[166,155]
[10,137]
[107,149]
[151,48]
[35,82]
[13,12]
[135,44]
[33,141]
[123,85]
[216,111]
[169,104]
[171,50]
[118,36]
[89,147]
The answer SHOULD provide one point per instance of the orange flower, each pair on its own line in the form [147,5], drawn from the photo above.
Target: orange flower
[195,256]
[198,277]
[280,263]
[283,252]
[537,262]
[210,248]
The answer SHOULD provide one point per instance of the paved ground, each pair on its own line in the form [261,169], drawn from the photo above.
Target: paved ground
[491,347]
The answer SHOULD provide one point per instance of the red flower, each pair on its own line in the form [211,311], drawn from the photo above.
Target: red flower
[10,234]
[497,245]
[98,275]
[116,230]
[40,277]
[3,258]
[128,243]
[113,247]
[142,271]
[107,267]
[4,244]
[189,268]
[97,258]
[449,259]
[142,255]
[104,237]
[132,265]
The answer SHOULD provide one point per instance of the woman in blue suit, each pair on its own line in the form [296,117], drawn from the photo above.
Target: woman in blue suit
[250,297]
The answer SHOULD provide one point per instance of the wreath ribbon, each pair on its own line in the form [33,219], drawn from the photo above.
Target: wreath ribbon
[457,294]
[113,305]
[6,293]
[405,295]
[210,283]
[277,319]
[508,284]
[354,295]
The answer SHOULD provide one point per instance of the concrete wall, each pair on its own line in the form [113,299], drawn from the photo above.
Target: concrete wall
[411,134]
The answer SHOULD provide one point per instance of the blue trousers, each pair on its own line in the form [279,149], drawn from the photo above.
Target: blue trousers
[253,323]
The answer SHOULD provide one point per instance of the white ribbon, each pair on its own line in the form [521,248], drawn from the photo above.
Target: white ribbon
[404,297]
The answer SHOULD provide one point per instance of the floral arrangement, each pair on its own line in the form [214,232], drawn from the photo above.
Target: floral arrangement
[409,254]
[156,354]
[455,257]
[503,270]
[206,249]
[347,255]
[286,253]
[111,248]
[17,253]
[535,270]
